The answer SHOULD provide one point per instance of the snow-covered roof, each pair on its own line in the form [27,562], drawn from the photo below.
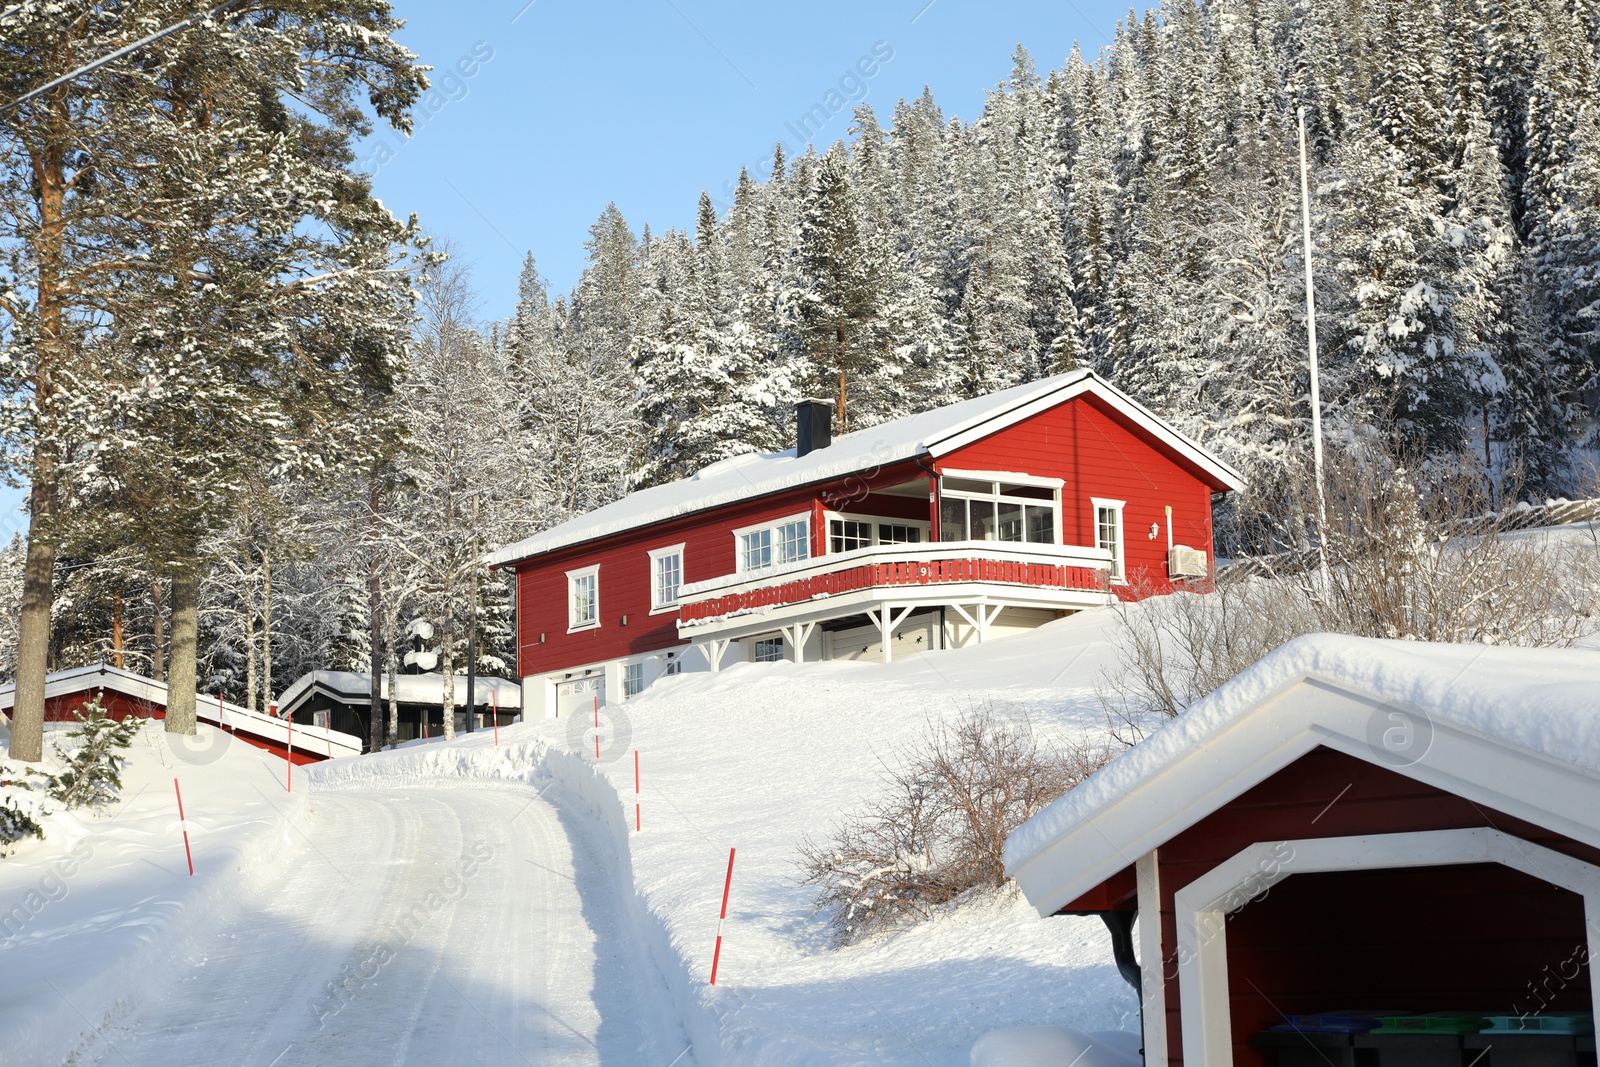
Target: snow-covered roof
[208,707]
[931,433]
[94,676]
[353,688]
[1514,729]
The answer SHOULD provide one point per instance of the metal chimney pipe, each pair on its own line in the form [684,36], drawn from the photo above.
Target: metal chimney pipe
[813,426]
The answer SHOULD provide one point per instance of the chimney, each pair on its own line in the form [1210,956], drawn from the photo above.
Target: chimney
[813,426]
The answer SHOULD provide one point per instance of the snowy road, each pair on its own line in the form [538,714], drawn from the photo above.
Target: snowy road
[461,926]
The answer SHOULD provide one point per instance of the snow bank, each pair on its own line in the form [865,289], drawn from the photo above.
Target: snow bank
[1542,700]
[1053,1046]
[107,896]
[760,755]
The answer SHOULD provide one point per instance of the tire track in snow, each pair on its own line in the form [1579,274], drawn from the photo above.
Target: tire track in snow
[431,964]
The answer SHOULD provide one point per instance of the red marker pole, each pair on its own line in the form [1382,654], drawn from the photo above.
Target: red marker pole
[187,854]
[288,753]
[494,704]
[716,955]
[637,824]
[327,728]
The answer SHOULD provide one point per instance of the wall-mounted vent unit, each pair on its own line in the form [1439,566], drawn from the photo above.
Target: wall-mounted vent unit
[1186,562]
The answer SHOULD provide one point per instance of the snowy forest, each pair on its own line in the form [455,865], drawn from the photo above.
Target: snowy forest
[1137,212]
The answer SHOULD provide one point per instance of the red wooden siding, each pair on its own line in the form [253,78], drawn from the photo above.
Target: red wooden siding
[1100,454]
[1322,942]
[625,577]
[118,706]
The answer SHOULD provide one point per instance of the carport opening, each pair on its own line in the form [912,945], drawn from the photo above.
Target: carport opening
[1479,937]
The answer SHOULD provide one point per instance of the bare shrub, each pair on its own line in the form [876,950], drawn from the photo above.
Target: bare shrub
[1414,552]
[939,828]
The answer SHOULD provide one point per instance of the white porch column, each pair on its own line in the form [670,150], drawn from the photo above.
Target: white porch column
[887,619]
[713,649]
[797,634]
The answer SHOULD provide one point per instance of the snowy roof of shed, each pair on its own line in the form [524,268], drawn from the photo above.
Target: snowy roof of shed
[1515,729]
[931,433]
[351,688]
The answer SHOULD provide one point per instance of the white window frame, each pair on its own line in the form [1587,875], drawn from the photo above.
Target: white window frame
[871,520]
[1119,568]
[644,679]
[997,477]
[772,527]
[755,649]
[657,605]
[573,624]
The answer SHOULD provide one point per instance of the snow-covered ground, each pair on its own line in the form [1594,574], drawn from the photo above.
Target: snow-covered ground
[762,754]
[468,903]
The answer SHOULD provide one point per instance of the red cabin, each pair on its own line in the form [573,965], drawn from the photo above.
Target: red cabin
[1351,826]
[123,693]
[964,523]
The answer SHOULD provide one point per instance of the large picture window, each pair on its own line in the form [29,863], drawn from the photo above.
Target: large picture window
[666,576]
[583,600]
[772,545]
[847,533]
[974,509]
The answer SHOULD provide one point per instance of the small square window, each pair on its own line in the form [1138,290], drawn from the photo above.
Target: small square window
[674,666]
[846,535]
[632,679]
[794,541]
[755,550]
[768,650]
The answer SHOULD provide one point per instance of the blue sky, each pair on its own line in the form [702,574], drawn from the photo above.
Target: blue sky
[547,111]
[648,102]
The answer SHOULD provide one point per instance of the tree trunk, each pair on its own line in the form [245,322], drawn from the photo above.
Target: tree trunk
[116,630]
[375,661]
[447,665]
[185,627]
[158,634]
[250,657]
[38,575]
[394,688]
[268,697]
[33,639]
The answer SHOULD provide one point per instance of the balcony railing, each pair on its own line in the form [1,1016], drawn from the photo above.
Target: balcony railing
[1005,563]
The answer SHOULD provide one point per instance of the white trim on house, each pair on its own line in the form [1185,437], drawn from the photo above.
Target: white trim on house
[1202,907]
[574,624]
[772,527]
[1315,692]
[657,605]
[1119,567]
[1009,477]
[932,433]
[1152,962]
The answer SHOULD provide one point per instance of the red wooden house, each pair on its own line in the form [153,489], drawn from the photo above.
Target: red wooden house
[985,517]
[1351,824]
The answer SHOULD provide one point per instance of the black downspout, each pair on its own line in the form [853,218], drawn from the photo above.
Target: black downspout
[1120,924]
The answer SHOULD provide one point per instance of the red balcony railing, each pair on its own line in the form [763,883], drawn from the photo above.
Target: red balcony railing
[887,566]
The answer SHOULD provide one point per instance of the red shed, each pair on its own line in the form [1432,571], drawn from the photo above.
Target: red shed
[1350,824]
[985,517]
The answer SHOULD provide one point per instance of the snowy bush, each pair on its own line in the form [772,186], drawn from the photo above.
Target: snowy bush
[18,814]
[1414,552]
[94,764]
[939,828]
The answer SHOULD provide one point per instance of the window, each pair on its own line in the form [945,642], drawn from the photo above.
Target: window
[845,535]
[785,541]
[768,650]
[666,575]
[583,604]
[1108,532]
[974,510]
[674,666]
[632,679]
[894,533]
